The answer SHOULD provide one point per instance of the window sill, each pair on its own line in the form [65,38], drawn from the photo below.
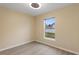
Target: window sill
[49,39]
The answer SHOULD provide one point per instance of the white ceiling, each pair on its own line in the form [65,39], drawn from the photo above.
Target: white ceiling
[24,7]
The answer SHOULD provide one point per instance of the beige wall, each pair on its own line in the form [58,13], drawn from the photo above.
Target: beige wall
[15,28]
[67,28]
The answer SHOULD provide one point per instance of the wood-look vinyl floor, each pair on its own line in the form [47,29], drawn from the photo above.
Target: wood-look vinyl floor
[34,48]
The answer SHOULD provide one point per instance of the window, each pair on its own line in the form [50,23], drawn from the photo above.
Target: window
[49,28]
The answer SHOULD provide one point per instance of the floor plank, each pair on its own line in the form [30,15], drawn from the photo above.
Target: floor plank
[34,48]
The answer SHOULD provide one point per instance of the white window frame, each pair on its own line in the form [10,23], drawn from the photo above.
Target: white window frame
[44,30]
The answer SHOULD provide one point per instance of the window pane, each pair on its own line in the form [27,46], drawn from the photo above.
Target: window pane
[50,27]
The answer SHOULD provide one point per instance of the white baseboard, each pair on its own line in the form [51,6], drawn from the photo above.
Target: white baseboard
[15,46]
[59,47]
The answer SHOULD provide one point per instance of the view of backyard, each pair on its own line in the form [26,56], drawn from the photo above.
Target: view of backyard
[50,28]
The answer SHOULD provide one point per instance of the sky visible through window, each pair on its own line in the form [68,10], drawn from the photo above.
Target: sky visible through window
[50,21]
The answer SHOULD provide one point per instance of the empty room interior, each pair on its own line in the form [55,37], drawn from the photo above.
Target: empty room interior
[39,28]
